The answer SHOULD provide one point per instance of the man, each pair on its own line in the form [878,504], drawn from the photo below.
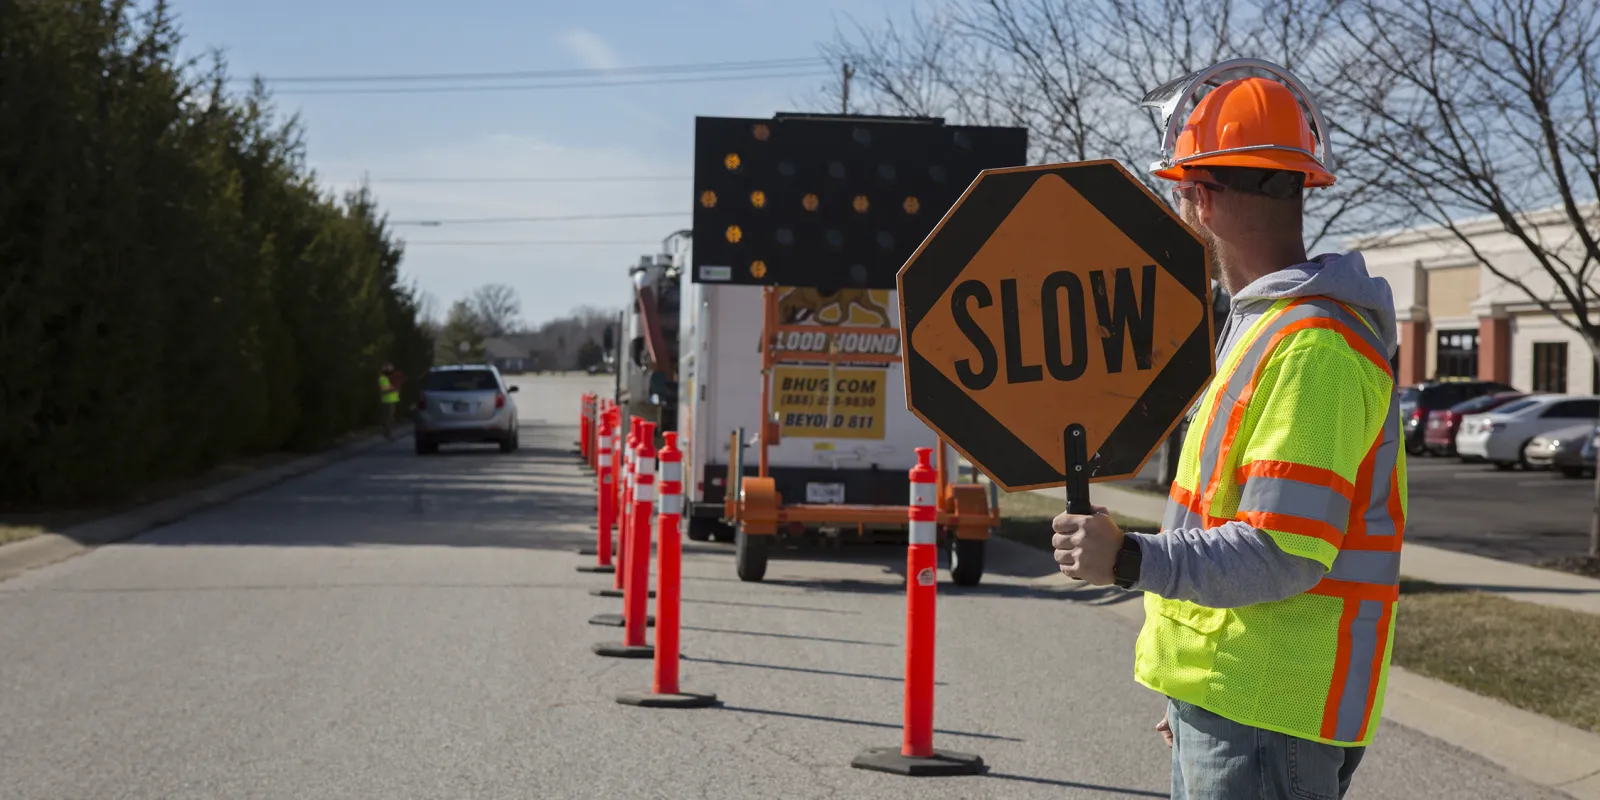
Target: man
[1269,593]
[388,397]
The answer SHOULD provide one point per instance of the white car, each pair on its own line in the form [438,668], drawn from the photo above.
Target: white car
[1499,436]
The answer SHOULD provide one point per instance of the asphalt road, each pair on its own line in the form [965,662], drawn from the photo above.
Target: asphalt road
[1516,516]
[397,626]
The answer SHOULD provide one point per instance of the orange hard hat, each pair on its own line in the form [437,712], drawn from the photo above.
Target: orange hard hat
[1248,122]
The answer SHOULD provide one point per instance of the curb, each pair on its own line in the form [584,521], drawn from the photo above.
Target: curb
[49,548]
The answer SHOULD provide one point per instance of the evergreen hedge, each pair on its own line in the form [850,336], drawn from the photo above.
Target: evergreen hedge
[175,289]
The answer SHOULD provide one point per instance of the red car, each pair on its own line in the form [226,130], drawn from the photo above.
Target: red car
[1440,436]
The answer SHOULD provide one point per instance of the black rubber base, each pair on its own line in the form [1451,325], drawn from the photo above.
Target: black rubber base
[942,762]
[606,568]
[614,593]
[620,650]
[585,551]
[679,700]
[616,620]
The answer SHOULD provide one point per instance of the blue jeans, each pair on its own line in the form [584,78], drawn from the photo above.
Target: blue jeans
[1214,758]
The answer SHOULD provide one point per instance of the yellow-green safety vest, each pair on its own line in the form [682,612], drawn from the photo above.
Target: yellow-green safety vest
[1298,435]
[387,390]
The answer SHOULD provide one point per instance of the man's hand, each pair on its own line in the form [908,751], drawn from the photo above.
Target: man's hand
[1086,547]
[1165,729]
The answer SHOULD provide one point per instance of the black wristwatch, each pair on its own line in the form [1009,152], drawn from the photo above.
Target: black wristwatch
[1126,568]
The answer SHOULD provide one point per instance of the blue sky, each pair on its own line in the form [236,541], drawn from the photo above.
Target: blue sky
[616,131]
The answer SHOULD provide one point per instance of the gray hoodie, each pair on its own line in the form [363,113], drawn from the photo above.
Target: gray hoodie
[1235,564]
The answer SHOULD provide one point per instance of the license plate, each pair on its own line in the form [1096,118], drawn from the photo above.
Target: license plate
[825,493]
[462,408]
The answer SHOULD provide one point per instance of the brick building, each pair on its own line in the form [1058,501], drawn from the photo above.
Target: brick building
[1457,319]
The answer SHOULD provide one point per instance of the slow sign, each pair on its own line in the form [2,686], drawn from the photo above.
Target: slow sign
[1054,296]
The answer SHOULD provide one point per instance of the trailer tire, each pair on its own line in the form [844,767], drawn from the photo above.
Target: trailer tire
[699,529]
[750,556]
[966,561]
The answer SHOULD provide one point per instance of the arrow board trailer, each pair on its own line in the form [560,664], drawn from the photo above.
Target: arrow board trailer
[791,369]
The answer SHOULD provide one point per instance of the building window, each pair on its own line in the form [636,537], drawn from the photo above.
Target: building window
[1550,367]
[1457,354]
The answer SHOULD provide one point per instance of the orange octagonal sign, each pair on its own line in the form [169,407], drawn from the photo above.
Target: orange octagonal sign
[1050,296]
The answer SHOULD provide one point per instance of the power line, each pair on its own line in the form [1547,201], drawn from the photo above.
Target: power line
[539,86]
[433,223]
[533,242]
[580,179]
[660,69]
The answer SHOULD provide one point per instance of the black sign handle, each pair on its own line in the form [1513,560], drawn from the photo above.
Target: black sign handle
[1077,475]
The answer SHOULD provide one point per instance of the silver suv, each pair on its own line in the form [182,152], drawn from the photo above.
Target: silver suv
[465,403]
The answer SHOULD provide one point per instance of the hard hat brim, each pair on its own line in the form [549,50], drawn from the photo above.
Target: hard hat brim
[1316,175]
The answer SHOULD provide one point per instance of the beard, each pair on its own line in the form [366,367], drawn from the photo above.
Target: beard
[1213,254]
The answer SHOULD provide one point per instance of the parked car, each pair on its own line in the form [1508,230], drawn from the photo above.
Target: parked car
[1443,424]
[1500,436]
[466,403]
[1561,449]
[1416,402]
[1586,457]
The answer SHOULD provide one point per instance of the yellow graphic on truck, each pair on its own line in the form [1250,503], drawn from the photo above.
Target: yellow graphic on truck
[801,401]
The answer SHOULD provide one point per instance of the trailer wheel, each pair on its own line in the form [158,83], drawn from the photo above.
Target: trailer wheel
[700,529]
[966,561]
[750,556]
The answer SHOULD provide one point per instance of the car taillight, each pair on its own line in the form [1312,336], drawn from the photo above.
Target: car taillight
[1416,414]
[499,400]
[422,404]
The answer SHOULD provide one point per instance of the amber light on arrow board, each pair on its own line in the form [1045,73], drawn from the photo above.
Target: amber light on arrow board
[911,205]
[758,269]
[734,234]
[761,132]
[731,161]
[810,202]
[860,203]
[758,199]
[708,198]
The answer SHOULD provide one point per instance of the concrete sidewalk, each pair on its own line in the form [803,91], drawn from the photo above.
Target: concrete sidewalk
[1418,561]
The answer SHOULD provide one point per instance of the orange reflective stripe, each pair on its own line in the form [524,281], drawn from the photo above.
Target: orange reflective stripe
[1263,468]
[1184,497]
[1377,665]
[1288,523]
[1341,671]
[1350,590]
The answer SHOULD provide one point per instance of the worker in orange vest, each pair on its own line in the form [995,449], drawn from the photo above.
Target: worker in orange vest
[1270,590]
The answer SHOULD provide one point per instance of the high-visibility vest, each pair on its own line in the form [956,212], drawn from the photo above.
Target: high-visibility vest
[1298,435]
[387,390]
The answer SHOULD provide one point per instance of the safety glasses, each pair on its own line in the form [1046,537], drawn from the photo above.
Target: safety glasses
[1185,190]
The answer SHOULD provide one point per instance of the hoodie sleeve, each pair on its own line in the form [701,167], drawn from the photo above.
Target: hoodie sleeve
[1228,566]
[1295,458]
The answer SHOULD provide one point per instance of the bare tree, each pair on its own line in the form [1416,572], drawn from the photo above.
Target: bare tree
[1487,113]
[1072,72]
[496,308]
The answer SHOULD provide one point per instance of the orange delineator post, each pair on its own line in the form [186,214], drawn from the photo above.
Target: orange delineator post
[916,755]
[605,478]
[922,566]
[625,528]
[605,501]
[635,607]
[664,692]
[669,565]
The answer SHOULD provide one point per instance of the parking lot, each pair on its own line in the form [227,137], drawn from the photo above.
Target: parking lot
[1524,516]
